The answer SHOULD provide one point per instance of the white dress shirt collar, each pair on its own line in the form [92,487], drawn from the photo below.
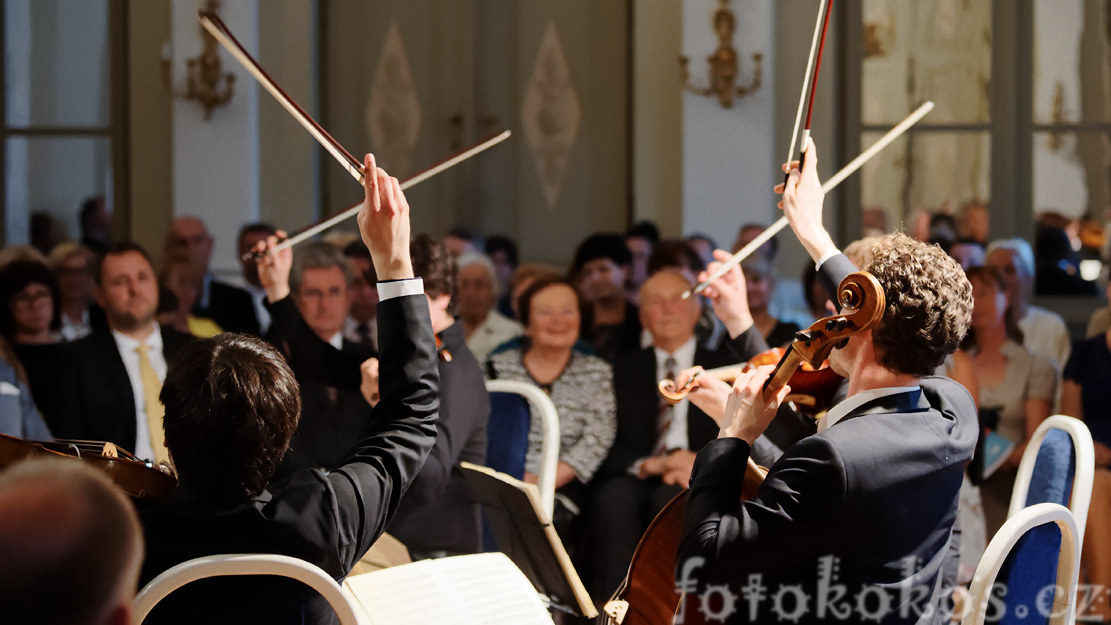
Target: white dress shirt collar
[849,404]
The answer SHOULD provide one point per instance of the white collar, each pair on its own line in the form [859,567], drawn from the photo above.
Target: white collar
[337,340]
[849,404]
[129,344]
[683,355]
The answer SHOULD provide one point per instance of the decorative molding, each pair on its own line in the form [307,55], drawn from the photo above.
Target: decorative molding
[393,115]
[551,114]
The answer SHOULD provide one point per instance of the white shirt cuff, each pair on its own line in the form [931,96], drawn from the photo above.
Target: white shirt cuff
[399,288]
[828,255]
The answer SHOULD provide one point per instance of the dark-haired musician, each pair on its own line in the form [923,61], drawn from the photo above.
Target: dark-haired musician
[852,523]
[232,404]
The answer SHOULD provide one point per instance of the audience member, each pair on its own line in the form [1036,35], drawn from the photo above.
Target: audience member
[654,448]
[702,245]
[46,232]
[750,231]
[73,265]
[95,225]
[640,238]
[600,270]
[523,277]
[309,302]
[1058,266]
[1016,384]
[677,254]
[483,326]
[70,545]
[580,385]
[760,282]
[974,222]
[230,307]
[1044,332]
[249,237]
[361,326]
[502,251]
[18,415]
[459,240]
[1086,395]
[118,372]
[1100,320]
[181,277]
[232,404]
[29,291]
[817,302]
[968,252]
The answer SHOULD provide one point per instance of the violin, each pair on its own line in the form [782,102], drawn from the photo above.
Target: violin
[649,596]
[137,478]
[812,389]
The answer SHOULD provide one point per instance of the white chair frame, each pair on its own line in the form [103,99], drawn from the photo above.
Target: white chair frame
[541,405]
[1068,564]
[1081,495]
[342,601]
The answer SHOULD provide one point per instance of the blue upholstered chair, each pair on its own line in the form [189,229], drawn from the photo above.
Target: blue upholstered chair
[512,407]
[1029,571]
[1058,466]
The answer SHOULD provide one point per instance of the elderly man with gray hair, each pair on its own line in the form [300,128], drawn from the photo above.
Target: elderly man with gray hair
[483,326]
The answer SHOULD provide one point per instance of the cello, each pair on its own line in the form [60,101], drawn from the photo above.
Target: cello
[648,595]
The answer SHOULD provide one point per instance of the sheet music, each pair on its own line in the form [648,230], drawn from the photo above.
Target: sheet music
[481,589]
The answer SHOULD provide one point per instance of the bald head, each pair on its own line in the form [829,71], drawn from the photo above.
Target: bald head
[189,236]
[66,531]
[668,317]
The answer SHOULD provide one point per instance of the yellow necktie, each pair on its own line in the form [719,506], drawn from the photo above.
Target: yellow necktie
[152,405]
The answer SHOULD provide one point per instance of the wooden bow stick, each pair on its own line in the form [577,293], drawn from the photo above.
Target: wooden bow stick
[817,45]
[220,32]
[829,185]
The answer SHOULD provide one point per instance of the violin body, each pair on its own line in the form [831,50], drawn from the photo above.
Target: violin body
[649,595]
[135,477]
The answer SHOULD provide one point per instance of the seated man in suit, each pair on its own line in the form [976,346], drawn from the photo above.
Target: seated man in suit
[651,457]
[230,307]
[852,523]
[439,514]
[70,545]
[309,301]
[118,373]
[232,405]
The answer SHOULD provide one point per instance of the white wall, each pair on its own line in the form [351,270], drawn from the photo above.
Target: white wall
[215,161]
[729,154]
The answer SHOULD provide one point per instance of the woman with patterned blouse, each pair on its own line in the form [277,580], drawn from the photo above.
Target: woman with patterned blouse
[580,385]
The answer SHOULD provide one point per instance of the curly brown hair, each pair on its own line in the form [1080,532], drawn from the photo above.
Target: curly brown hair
[929,304]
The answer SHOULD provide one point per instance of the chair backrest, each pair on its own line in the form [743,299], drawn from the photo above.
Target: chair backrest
[1058,466]
[342,601]
[1029,570]
[507,433]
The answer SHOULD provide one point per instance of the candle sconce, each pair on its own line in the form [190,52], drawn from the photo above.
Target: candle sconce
[205,78]
[723,64]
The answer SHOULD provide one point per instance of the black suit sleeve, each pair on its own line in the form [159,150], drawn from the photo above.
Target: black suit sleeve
[785,523]
[832,272]
[746,344]
[339,514]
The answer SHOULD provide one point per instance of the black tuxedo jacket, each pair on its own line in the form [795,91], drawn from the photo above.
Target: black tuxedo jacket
[866,506]
[99,403]
[329,518]
[638,401]
[231,308]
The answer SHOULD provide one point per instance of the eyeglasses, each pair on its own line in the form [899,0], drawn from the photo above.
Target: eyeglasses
[30,299]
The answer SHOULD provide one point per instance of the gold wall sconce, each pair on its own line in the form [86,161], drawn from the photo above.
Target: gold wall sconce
[206,80]
[723,63]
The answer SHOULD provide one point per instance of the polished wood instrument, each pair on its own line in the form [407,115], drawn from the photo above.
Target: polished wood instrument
[136,477]
[649,595]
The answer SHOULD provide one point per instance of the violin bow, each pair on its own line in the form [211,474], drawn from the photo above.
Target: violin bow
[829,185]
[813,64]
[220,32]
